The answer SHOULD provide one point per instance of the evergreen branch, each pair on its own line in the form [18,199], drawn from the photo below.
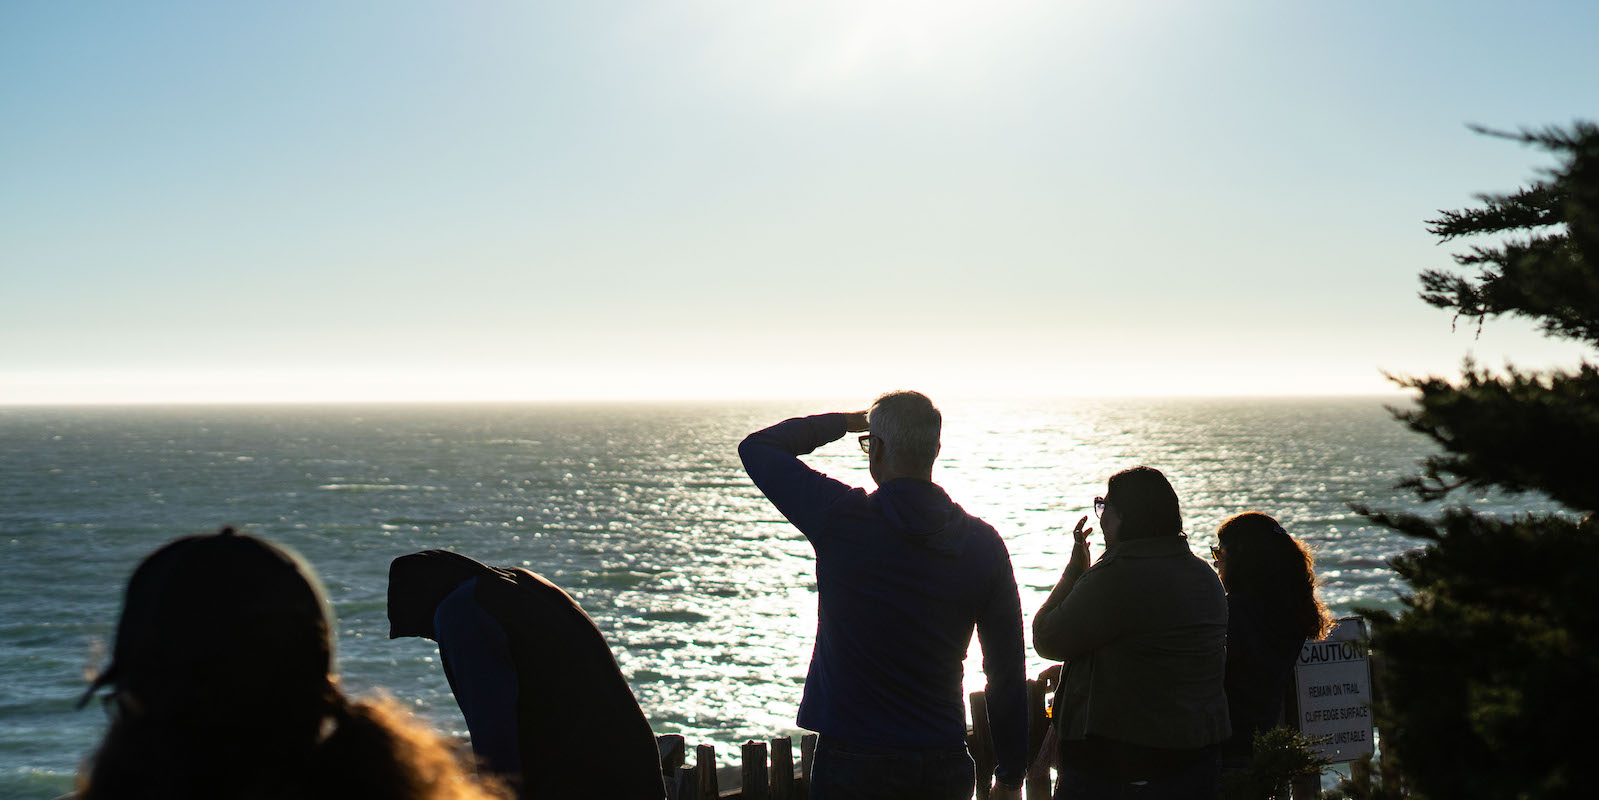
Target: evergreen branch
[1431,488]
[1536,206]
[1549,277]
[1412,525]
[1574,137]
[1519,432]
[1542,278]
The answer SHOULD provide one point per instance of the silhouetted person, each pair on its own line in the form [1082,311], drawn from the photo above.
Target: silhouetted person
[903,575]
[1272,609]
[548,708]
[1140,711]
[221,688]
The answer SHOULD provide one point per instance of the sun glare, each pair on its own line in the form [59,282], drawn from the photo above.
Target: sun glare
[903,33]
[839,47]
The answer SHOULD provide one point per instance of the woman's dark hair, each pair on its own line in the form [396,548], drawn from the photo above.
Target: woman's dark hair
[1146,503]
[1264,560]
[223,687]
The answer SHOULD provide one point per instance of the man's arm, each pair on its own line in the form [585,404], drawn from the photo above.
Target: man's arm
[999,632]
[771,457]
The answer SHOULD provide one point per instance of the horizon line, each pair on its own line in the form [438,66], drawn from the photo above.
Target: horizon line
[603,400]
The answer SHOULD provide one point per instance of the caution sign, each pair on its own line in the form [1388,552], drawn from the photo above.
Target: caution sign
[1333,685]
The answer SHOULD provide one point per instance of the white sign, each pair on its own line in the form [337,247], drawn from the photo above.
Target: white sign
[1333,683]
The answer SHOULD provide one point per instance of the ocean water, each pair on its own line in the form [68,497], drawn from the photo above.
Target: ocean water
[641,512]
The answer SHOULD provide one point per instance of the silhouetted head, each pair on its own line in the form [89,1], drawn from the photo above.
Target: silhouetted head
[419,582]
[222,690]
[905,428]
[223,625]
[1140,503]
[1257,556]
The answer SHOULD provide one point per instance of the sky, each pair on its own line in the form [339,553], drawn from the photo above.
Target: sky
[443,201]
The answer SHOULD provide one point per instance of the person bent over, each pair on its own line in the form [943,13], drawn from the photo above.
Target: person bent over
[547,707]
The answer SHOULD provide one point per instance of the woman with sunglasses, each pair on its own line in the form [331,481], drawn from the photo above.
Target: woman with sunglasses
[1142,632]
[1272,609]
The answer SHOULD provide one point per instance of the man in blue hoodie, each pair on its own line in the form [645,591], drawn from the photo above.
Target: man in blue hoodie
[903,576]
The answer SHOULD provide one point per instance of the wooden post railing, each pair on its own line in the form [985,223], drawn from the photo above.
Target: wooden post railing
[980,742]
[785,785]
[755,772]
[807,758]
[766,770]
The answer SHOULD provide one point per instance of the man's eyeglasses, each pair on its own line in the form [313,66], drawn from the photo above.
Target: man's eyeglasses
[1099,507]
[1216,553]
[866,443]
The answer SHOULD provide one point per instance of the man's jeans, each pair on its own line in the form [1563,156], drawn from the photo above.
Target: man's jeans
[1198,781]
[845,771]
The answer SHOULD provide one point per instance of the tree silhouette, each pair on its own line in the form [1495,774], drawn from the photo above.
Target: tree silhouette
[1490,678]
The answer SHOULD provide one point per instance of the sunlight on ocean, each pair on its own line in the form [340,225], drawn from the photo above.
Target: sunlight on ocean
[642,513]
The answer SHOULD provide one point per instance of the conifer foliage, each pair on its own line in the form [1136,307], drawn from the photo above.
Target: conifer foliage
[1490,673]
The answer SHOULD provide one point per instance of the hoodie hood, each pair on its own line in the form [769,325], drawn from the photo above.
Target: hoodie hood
[420,581]
[921,511]
[202,613]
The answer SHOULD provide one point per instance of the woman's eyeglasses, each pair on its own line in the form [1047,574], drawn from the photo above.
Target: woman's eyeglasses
[1216,553]
[1099,507]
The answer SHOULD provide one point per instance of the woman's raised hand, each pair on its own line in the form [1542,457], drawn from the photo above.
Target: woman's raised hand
[1080,536]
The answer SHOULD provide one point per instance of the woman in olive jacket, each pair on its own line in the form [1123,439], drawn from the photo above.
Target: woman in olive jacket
[1143,633]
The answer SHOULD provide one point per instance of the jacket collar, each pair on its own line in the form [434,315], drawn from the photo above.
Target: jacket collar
[1149,547]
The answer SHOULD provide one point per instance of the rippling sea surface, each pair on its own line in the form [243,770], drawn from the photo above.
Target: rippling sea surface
[642,513]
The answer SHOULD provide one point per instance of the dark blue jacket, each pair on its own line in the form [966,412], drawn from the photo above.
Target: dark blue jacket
[903,576]
[1261,652]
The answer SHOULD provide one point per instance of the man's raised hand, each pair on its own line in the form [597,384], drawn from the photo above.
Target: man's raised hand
[855,421]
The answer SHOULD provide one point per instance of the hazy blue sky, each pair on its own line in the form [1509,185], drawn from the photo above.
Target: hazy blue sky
[445,200]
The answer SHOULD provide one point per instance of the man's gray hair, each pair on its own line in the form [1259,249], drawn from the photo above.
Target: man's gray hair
[909,425]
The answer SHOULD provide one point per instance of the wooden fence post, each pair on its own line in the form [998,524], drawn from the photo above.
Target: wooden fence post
[673,749]
[807,758]
[682,785]
[1306,787]
[982,745]
[1039,786]
[754,771]
[705,773]
[783,769]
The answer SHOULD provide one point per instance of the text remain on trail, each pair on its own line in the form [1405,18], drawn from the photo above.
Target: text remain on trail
[1333,688]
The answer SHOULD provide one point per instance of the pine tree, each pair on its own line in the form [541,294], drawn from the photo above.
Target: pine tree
[1490,672]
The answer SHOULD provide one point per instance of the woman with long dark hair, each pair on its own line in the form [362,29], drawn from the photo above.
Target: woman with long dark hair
[1272,609]
[222,687]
